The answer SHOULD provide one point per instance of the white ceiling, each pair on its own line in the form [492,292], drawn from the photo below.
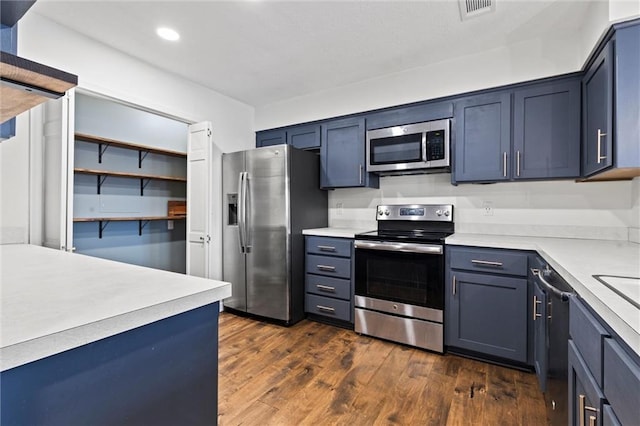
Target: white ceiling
[261,52]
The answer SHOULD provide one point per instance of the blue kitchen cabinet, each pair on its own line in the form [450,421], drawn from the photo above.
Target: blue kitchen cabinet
[271,137]
[342,155]
[611,108]
[604,373]
[486,303]
[546,131]
[329,280]
[409,114]
[598,118]
[482,138]
[304,137]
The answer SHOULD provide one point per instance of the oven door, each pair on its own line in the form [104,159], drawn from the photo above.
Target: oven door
[406,273]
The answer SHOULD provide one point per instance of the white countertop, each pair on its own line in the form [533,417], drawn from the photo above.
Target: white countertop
[53,301]
[577,261]
[335,232]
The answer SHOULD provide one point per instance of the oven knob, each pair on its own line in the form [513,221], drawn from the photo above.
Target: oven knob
[439,212]
[386,212]
[447,212]
[380,212]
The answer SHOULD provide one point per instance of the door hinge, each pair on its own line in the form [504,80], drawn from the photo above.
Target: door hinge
[208,132]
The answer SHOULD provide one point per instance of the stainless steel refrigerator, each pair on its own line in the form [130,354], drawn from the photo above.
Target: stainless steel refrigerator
[270,195]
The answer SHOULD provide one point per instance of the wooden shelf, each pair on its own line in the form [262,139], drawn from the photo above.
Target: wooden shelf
[128,175]
[128,145]
[142,221]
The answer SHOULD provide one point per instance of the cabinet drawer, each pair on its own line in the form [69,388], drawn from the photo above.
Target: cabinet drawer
[328,307]
[587,334]
[487,260]
[326,286]
[621,383]
[329,246]
[329,266]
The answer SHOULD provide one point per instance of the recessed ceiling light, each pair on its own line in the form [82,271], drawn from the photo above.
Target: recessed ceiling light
[168,34]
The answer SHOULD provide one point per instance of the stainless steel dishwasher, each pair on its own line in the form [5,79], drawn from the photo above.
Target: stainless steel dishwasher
[550,312]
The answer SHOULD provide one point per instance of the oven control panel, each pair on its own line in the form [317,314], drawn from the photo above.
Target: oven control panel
[420,212]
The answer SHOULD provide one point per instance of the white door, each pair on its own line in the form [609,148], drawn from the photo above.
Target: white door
[198,199]
[57,177]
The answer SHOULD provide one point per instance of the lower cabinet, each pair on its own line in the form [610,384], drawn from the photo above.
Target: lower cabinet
[604,376]
[486,303]
[328,280]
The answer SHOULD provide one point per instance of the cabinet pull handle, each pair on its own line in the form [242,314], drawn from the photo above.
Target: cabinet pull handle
[326,248]
[504,164]
[582,407]
[454,285]
[600,156]
[536,302]
[325,288]
[326,268]
[486,263]
[325,308]
[518,163]
[360,173]
[592,420]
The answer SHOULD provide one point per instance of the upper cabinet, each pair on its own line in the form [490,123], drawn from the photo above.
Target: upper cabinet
[271,137]
[611,108]
[546,131]
[304,137]
[482,138]
[342,155]
[399,116]
[544,119]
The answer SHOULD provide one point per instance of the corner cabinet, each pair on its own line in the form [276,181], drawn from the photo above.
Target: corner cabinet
[486,303]
[611,110]
[342,155]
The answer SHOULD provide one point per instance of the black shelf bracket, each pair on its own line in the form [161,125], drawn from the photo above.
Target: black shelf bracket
[101,180]
[101,150]
[102,227]
[141,225]
[143,185]
[141,157]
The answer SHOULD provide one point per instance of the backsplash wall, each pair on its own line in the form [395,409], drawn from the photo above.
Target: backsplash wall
[593,210]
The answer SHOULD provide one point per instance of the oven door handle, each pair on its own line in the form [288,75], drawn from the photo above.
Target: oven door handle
[403,247]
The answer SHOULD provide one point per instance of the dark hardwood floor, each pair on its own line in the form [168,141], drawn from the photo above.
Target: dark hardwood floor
[316,374]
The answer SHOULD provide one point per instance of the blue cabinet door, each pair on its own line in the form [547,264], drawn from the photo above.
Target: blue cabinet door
[482,138]
[342,155]
[597,116]
[546,131]
[271,137]
[304,137]
[487,314]
[540,352]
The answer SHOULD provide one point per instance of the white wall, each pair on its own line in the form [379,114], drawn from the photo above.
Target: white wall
[598,210]
[106,71]
[634,225]
[14,184]
[527,60]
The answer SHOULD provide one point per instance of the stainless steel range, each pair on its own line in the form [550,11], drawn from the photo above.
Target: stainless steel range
[399,275]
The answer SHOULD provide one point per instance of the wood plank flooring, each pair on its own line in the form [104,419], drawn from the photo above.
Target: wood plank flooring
[316,374]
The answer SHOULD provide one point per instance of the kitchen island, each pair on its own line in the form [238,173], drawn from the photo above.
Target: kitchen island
[91,341]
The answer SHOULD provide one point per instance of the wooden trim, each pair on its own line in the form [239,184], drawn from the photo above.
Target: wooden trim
[128,145]
[626,173]
[128,175]
[126,219]
[25,71]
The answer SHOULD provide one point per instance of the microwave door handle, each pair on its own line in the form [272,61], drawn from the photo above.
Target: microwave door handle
[424,147]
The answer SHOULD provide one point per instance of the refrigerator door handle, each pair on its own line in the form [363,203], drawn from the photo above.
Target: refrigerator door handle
[241,214]
[247,213]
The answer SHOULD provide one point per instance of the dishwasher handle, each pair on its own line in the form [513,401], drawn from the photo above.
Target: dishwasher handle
[563,295]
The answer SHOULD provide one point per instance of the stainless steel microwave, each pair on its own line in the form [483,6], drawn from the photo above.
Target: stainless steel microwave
[411,149]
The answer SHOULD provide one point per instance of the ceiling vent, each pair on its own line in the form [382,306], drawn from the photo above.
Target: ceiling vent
[472,8]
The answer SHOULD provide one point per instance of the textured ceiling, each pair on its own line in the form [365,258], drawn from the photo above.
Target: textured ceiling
[261,52]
